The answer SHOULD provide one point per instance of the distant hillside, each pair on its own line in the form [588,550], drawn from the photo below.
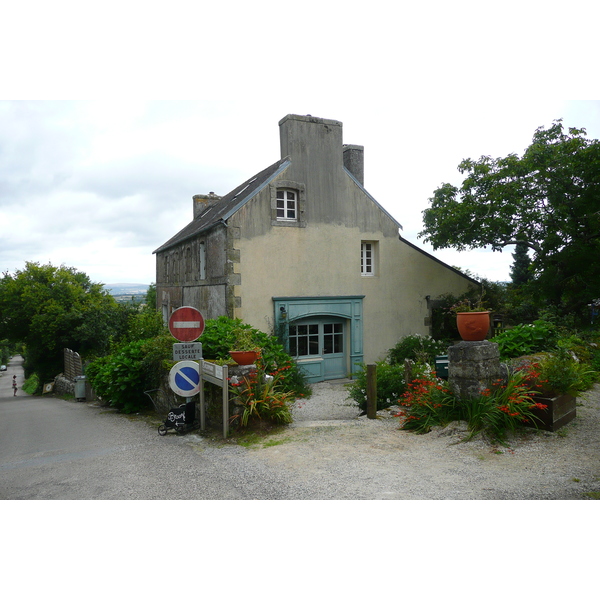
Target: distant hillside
[124,292]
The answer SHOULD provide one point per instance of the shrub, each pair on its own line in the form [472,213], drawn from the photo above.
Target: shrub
[561,373]
[118,378]
[526,339]
[427,403]
[219,338]
[418,348]
[503,407]
[390,385]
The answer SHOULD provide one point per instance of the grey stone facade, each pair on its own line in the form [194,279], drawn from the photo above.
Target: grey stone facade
[472,367]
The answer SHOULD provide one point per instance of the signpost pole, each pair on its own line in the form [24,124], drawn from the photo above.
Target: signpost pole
[201,393]
[225,401]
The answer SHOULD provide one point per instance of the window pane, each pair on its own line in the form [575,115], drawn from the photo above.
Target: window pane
[280,194]
[302,346]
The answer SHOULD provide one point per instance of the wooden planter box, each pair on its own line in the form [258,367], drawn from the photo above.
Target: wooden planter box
[561,410]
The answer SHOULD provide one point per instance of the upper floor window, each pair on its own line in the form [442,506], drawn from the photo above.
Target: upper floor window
[287,205]
[368,258]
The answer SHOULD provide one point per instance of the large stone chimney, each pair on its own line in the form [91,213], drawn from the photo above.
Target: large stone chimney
[202,202]
[315,142]
[354,161]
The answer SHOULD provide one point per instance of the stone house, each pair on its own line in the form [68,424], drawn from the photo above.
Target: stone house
[302,250]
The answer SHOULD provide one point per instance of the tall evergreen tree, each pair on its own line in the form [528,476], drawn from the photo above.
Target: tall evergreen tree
[520,271]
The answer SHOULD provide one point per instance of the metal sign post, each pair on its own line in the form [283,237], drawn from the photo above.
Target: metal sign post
[217,375]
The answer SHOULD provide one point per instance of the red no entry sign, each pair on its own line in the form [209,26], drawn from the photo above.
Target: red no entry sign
[186,324]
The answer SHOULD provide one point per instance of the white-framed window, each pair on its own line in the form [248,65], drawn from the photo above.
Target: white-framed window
[287,205]
[368,259]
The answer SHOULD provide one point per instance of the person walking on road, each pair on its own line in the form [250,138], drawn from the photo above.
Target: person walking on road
[14,385]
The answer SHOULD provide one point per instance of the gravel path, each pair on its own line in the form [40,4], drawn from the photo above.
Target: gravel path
[339,455]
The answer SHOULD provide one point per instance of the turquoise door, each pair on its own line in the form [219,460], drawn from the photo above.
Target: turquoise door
[320,341]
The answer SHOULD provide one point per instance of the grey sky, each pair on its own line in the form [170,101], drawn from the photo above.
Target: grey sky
[100,182]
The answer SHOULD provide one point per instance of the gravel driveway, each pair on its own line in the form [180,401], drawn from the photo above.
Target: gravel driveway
[340,455]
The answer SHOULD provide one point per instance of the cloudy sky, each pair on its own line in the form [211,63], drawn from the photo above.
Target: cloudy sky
[111,119]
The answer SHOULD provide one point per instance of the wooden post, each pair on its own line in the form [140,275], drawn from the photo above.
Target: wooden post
[371,391]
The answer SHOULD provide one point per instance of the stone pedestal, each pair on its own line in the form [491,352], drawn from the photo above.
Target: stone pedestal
[472,367]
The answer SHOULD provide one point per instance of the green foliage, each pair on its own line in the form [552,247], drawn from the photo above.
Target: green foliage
[219,338]
[50,308]
[520,272]
[562,373]
[151,297]
[417,347]
[390,385]
[427,403]
[6,351]
[260,397]
[118,378]
[526,339]
[545,200]
[121,377]
[503,407]
[31,384]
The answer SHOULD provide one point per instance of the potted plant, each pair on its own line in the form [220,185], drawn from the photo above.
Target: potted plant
[245,351]
[472,319]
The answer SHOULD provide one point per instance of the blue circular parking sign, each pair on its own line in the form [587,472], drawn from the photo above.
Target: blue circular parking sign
[184,378]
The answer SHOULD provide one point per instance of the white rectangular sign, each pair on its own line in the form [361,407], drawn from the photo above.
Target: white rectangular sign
[212,370]
[187,351]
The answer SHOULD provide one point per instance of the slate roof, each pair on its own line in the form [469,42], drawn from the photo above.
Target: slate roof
[227,206]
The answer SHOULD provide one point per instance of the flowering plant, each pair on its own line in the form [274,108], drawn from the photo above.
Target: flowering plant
[466,305]
[427,403]
[258,396]
[505,405]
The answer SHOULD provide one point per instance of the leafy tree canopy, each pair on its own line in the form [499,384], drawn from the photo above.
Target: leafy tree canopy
[547,200]
[50,308]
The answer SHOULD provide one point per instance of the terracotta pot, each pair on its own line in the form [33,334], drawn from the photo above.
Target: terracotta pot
[242,357]
[473,326]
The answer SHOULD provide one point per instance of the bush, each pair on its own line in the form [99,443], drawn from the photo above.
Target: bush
[259,397]
[504,406]
[526,339]
[121,377]
[417,348]
[219,338]
[390,385]
[561,373]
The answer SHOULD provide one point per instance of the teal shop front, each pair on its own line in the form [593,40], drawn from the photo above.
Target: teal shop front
[324,334]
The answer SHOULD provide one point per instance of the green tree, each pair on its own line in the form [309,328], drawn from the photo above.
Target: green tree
[50,308]
[520,270]
[547,200]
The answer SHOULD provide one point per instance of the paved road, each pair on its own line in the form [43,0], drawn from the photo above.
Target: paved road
[57,449]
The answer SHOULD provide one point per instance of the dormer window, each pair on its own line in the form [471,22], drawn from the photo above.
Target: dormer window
[288,203]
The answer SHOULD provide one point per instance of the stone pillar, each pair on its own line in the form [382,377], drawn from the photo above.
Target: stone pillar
[472,367]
